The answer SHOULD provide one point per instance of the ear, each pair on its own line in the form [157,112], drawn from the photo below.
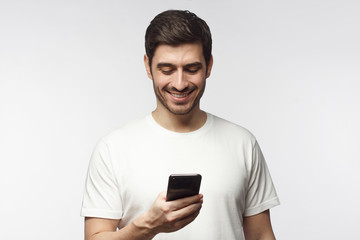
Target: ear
[147,66]
[209,67]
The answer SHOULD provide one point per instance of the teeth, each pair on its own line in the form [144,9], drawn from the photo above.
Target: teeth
[179,95]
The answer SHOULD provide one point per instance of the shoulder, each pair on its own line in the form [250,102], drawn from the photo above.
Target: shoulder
[127,132]
[232,130]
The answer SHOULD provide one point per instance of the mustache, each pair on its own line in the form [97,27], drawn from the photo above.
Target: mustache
[173,89]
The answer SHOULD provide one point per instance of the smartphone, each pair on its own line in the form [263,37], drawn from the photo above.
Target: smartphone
[183,185]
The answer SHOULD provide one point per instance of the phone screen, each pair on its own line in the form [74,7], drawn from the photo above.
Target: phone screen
[183,185]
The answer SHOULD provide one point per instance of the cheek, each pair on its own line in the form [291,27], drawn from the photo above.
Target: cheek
[198,80]
[161,81]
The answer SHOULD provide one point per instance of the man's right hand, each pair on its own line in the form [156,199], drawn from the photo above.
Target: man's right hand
[161,217]
[169,216]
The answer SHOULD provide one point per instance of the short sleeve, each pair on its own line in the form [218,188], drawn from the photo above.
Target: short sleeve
[101,195]
[261,194]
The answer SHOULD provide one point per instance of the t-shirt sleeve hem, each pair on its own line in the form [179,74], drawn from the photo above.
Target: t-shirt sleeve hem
[260,208]
[100,213]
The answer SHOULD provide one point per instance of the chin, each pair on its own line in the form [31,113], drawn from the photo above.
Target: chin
[180,111]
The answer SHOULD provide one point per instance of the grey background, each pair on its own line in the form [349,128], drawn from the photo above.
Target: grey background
[71,71]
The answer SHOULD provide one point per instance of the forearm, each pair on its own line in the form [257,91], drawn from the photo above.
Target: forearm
[105,229]
[163,216]
[258,227]
[133,231]
[263,236]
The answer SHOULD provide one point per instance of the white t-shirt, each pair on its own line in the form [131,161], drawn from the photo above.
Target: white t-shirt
[131,165]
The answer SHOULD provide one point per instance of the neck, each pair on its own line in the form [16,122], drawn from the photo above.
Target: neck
[180,123]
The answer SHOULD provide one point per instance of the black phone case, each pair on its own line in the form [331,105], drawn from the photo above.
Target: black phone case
[183,185]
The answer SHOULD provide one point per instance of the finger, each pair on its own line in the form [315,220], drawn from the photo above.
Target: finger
[162,195]
[184,202]
[185,221]
[184,212]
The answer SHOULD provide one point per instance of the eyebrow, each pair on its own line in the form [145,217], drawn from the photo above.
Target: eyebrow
[164,64]
[161,65]
[195,64]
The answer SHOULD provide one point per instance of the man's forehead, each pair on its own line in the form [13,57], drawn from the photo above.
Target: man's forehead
[186,53]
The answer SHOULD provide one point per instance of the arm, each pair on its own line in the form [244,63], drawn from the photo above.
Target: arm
[258,227]
[161,217]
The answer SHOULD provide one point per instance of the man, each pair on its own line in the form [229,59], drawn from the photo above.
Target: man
[131,165]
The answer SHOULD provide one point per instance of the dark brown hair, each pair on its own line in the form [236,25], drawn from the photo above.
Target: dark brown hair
[174,27]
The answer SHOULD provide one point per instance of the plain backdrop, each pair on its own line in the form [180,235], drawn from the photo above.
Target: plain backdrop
[289,71]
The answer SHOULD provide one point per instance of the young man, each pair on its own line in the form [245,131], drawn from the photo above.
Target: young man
[131,165]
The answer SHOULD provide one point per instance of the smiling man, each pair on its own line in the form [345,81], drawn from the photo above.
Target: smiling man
[130,166]
[179,74]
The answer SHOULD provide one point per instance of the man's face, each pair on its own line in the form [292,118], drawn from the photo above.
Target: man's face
[179,75]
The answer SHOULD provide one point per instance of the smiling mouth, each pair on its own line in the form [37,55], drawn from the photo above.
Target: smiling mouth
[180,95]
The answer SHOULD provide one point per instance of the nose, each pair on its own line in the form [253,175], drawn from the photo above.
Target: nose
[180,80]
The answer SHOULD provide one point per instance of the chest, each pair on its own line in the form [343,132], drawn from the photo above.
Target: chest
[143,172]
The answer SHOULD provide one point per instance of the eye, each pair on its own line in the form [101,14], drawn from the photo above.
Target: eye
[167,72]
[193,70]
